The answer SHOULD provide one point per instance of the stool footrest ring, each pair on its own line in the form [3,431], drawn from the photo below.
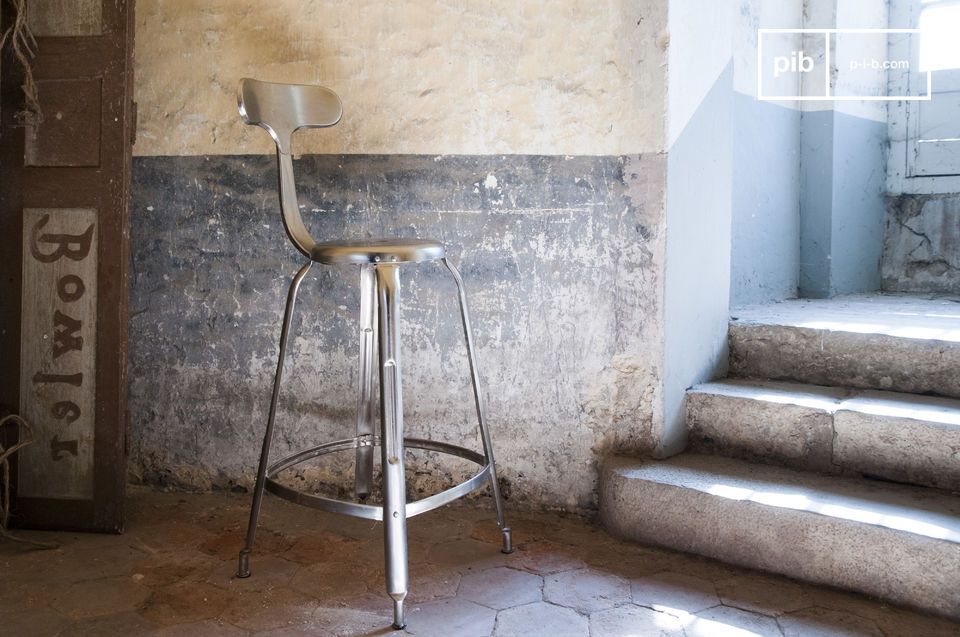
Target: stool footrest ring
[370,511]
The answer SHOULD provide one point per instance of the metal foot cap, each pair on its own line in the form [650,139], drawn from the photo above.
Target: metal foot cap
[398,619]
[243,568]
[507,541]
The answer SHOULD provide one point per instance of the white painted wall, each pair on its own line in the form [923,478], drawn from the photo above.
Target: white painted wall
[766,166]
[843,159]
[699,180]
[732,189]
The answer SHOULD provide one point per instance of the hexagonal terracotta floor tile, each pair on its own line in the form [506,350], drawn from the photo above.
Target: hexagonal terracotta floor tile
[822,622]
[467,554]
[450,617]
[98,598]
[634,621]
[185,601]
[268,609]
[723,621]
[586,590]
[501,588]
[764,594]
[343,621]
[209,628]
[546,557]
[674,593]
[266,571]
[540,618]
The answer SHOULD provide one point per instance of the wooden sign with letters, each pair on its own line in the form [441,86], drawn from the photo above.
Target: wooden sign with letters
[58,352]
[64,231]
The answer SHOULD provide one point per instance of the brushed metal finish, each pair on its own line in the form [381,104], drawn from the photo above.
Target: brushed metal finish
[507,546]
[243,569]
[372,251]
[372,511]
[366,398]
[282,109]
[391,435]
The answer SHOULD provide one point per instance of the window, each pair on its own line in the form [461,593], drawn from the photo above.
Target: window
[925,135]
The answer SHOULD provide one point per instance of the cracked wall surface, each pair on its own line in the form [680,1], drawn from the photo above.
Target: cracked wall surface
[573,77]
[562,257]
[922,244]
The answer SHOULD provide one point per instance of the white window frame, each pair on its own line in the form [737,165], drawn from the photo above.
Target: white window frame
[903,115]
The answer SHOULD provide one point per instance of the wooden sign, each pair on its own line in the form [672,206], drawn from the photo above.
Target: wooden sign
[64,234]
[58,352]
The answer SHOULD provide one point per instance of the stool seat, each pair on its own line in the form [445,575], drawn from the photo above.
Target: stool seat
[378,251]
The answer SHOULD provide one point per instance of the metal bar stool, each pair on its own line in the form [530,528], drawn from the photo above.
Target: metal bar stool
[282,109]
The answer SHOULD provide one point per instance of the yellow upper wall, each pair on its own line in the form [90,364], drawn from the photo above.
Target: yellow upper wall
[576,77]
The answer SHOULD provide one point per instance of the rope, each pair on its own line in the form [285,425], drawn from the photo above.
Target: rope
[26,437]
[24,49]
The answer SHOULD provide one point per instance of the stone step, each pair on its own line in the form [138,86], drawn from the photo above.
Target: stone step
[887,342]
[896,542]
[901,437]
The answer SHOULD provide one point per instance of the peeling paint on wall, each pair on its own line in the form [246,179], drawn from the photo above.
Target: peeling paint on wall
[572,77]
[563,259]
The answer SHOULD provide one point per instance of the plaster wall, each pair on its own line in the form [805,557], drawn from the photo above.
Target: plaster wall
[732,191]
[527,139]
[922,237]
[699,199]
[436,77]
[843,160]
[765,236]
[921,250]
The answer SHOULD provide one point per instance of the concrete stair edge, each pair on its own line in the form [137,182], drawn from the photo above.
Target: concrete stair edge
[844,358]
[890,435]
[654,502]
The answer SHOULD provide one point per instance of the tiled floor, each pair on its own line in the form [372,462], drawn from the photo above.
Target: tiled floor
[171,575]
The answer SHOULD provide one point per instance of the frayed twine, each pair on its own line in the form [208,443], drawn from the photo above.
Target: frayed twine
[26,437]
[24,50]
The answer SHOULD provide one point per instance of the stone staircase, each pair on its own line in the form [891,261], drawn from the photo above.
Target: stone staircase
[824,457]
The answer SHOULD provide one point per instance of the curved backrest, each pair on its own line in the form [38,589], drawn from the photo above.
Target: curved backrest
[283,108]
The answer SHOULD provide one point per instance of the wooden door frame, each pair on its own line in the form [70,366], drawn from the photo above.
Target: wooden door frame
[109,56]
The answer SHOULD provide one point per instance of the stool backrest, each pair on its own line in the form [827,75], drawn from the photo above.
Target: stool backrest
[282,109]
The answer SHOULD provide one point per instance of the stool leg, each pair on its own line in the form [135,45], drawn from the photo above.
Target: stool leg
[243,569]
[366,400]
[478,398]
[391,444]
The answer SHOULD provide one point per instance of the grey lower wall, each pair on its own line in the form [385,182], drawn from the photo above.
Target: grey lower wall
[842,184]
[562,258]
[921,251]
[765,234]
[696,292]
[816,203]
[859,186]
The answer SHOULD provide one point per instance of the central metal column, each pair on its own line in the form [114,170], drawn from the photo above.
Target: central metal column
[391,422]
[366,396]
